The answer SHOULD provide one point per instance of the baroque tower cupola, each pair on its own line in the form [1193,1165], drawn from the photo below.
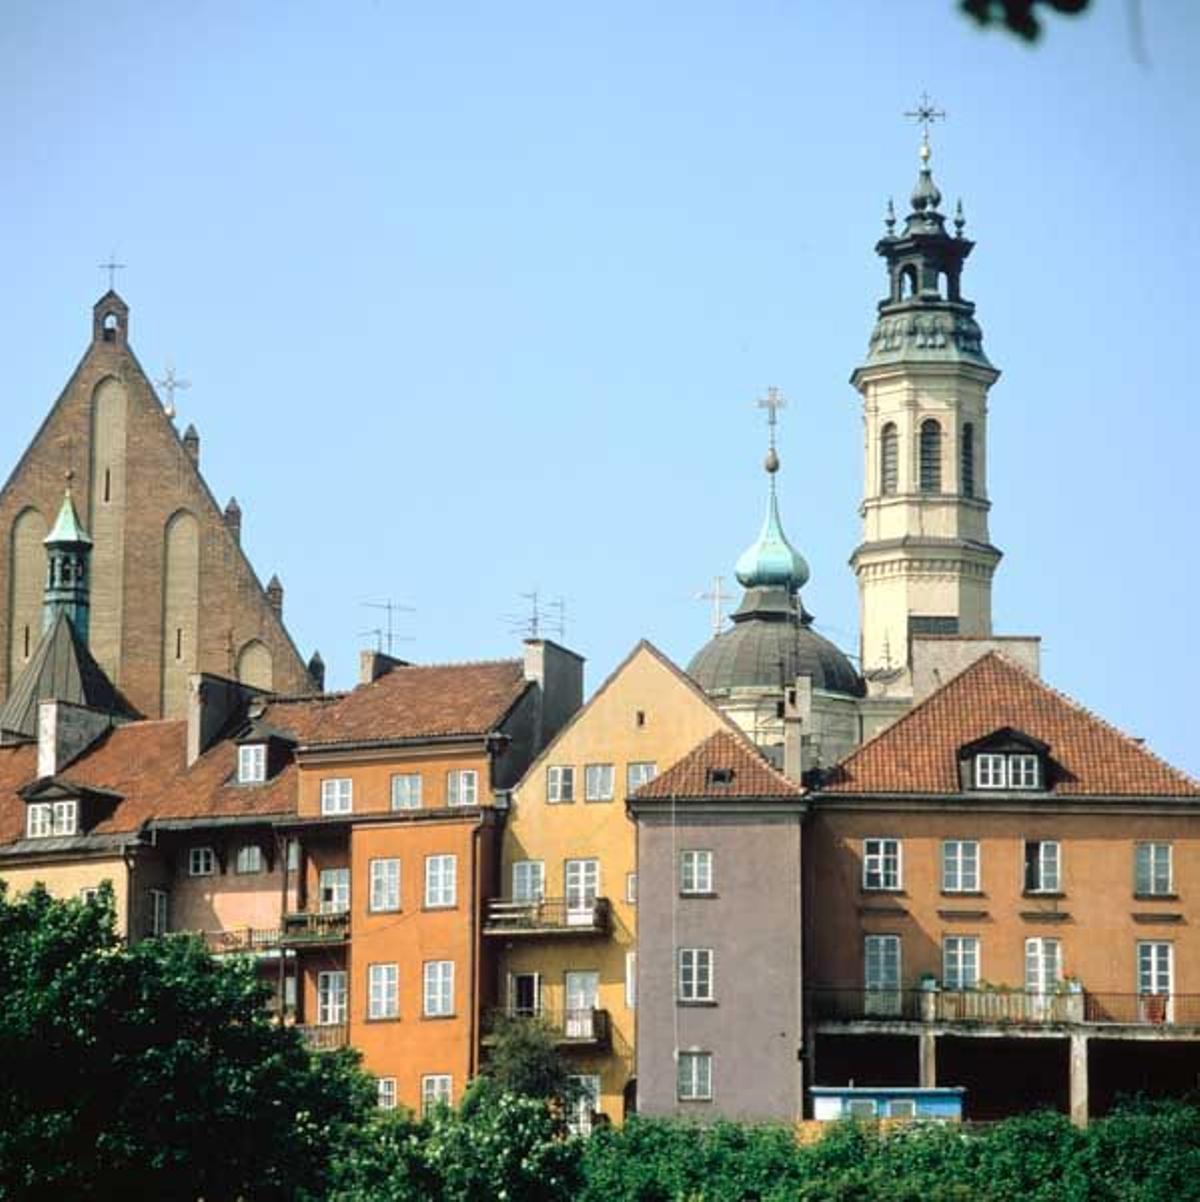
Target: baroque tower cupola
[68,550]
[925,562]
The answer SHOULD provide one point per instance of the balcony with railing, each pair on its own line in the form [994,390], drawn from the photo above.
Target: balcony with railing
[243,940]
[547,916]
[316,929]
[1003,1008]
[586,1028]
[326,1037]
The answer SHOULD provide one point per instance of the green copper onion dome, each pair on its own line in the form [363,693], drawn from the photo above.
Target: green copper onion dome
[771,559]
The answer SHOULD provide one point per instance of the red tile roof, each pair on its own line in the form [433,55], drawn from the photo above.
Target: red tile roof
[698,775]
[419,702]
[919,753]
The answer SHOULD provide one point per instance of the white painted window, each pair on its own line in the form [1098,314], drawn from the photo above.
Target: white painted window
[406,791]
[436,1091]
[990,772]
[631,979]
[695,974]
[582,878]
[1043,965]
[48,818]
[439,988]
[385,884]
[860,1108]
[881,972]
[695,872]
[598,782]
[583,996]
[637,774]
[1042,866]
[89,893]
[249,859]
[528,880]
[631,888]
[462,787]
[586,1105]
[158,912]
[902,1108]
[293,855]
[960,866]
[202,861]
[386,1096]
[337,795]
[331,998]
[1152,868]
[694,1076]
[524,994]
[440,880]
[1024,772]
[333,886]
[881,864]
[960,961]
[383,991]
[252,763]
[1155,980]
[560,783]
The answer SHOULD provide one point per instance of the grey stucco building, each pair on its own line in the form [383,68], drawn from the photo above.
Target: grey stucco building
[719,1007]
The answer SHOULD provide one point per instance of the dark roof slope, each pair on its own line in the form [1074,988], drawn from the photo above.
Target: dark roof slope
[919,753]
[724,766]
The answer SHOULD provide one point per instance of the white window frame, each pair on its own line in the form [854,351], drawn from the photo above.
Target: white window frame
[560,784]
[437,993]
[337,795]
[1157,856]
[694,1076]
[882,988]
[1024,771]
[902,1108]
[249,860]
[202,861]
[89,893]
[441,882]
[960,869]
[581,890]
[407,791]
[47,819]
[586,1104]
[383,991]
[252,763]
[991,770]
[337,882]
[462,787]
[1043,964]
[1046,860]
[631,980]
[159,912]
[529,880]
[960,962]
[879,853]
[860,1108]
[385,1096]
[696,871]
[1150,975]
[639,773]
[437,1089]
[696,974]
[631,886]
[384,892]
[598,782]
[332,1000]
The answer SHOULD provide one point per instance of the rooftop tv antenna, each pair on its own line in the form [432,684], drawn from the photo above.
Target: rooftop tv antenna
[387,635]
[540,618]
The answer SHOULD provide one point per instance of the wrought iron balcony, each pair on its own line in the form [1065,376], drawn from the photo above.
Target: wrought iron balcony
[584,1028]
[326,1037]
[253,940]
[546,916]
[308,928]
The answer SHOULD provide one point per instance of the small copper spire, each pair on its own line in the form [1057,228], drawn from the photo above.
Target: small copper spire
[890,220]
[959,220]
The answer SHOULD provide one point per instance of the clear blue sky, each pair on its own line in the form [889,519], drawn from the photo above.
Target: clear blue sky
[478,297]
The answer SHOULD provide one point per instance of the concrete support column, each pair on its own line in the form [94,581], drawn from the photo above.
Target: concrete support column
[1079,1079]
[927,1053]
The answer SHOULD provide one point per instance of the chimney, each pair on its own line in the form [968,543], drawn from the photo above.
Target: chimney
[275,595]
[374,664]
[233,519]
[191,444]
[65,732]
[797,720]
[316,669]
[558,673]
[213,702]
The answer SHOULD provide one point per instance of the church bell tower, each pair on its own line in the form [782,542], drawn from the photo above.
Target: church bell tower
[925,562]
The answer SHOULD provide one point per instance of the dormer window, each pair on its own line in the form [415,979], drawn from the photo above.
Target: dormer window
[1014,771]
[720,776]
[45,819]
[252,763]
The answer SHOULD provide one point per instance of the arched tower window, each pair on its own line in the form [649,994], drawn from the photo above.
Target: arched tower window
[931,456]
[889,460]
[968,460]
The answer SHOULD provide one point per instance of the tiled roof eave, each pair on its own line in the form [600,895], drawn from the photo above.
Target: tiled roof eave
[267,818]
[468,736]
[790,804]
[1022,802]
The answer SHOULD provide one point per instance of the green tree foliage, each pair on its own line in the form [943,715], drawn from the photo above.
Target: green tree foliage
[523,1059]
[152,1071]
[1019,16]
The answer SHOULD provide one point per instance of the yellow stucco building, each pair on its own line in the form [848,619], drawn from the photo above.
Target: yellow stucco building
[565,926]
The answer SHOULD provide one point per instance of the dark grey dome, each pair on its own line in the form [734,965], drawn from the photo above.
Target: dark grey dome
[772,643]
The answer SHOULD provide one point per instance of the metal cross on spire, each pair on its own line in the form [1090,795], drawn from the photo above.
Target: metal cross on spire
[112,267]
[925,115]
[772,403]
[170,384]
[718,596]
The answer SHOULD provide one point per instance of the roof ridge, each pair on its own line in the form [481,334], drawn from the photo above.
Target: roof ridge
[740,742]
[455,663]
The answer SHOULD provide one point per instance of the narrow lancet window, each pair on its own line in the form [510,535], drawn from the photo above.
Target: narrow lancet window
[889,460]
[931,456]
[968,460]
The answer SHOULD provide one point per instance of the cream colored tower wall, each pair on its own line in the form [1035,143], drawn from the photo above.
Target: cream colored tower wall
[110,408]
[181,611]
[27,575]
[254,665]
